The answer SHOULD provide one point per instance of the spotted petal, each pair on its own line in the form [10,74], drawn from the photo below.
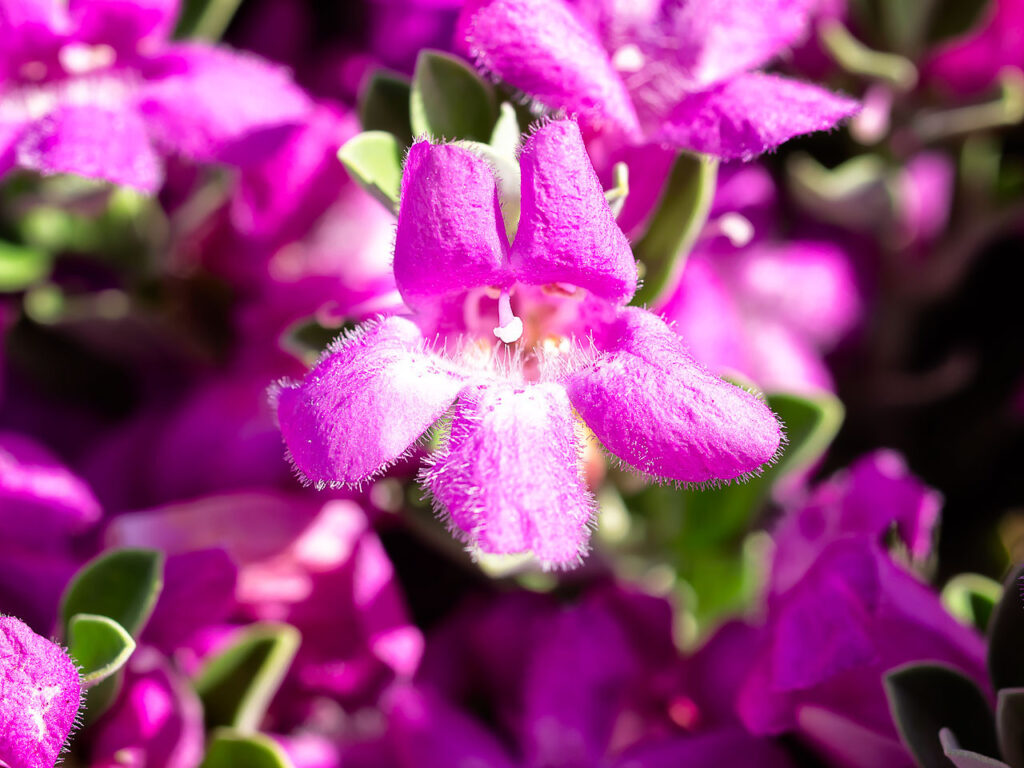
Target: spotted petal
[450,232]
[655,407]
[39,697]
[751,114]
[510,477]
[567,233]
[365,403]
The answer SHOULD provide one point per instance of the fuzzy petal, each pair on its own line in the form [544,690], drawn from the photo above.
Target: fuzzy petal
[567,233]
[655,407]
[94,142]
[510,477]
[215,104]
[366,402]
[450,232]
[718,39]
[751,114]
[123,24]
[39,697]
[544,49]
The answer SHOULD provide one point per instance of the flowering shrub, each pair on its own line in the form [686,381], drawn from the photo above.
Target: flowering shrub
[511,383]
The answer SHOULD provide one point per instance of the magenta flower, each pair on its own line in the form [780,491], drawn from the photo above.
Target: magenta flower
[593,683]
[157,719]
[754,304]
[683,74]
[96,88]
[508,474]
[40,693]
[972,62]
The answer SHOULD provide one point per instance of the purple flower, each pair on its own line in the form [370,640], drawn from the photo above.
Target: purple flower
[96,88]
[842,612]
[762,307]
[39,697]
[972,62]
[587,684]
[318,566]
[508,474]
[874,496]
[43,506]
[681,73]
[157,721]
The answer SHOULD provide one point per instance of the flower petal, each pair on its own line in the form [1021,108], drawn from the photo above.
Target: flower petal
[654,406]
[215,104]
[39,697]
[719,39]
[544,49]
[94,142]
[429,732]
[567,233]
[450,232]
[157,717]
[751,114]
[365,403]
[41,501]
[510,477]
[123,24]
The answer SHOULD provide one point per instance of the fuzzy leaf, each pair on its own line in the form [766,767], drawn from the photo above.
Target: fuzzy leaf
[237,685]
[374,160]
[674,225]
[230,749]
[384,105]
[100,645]
[449,100]
[1010,725]
[925,698]
[1006,636]
[122,585]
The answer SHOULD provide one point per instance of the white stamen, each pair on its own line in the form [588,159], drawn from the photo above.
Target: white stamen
[510,327]
[629,58]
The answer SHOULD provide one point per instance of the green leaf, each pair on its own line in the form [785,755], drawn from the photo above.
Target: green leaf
[374,159]
[972,598]
[449,100]
[21,266]
[1006,636]
[384,105]
[100,645]
[925,698]
[237,685]
[1010,725]
[206,19]
[675,224]
[122,585]
[229,749]
[964,758]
